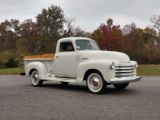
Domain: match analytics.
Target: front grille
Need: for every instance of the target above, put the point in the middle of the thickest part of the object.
(124, 71)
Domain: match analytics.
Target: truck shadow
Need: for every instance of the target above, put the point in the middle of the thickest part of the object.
(114, 91)
(69, 87)
(83, 88)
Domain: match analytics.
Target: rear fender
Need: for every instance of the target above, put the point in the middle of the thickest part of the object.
(39, 66)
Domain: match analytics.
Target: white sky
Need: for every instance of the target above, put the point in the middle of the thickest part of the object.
(89, 14)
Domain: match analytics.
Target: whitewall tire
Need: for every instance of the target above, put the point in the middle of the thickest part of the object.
(35, 78)
(95, 83)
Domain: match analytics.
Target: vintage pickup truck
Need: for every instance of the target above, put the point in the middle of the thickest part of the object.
(79, 59)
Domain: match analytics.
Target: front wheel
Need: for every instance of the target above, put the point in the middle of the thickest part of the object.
(95, 83)
(121, 86)
(35, 79)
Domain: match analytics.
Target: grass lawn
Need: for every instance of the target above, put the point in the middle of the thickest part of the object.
(143, 70)
(11, 71)
(149, 70)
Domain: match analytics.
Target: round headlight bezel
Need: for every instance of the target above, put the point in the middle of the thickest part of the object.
(112, 66)
(136, 65)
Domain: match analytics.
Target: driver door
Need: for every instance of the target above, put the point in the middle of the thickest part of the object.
(65, 60)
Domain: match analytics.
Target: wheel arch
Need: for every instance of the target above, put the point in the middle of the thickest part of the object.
(100, 66)
(30, 72)
(89, 71)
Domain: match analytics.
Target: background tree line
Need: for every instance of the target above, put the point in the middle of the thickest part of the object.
(142, 45)
(18, 39)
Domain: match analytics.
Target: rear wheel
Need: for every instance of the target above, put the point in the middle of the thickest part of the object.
(95, 83)
(121, 86)
(35, 79)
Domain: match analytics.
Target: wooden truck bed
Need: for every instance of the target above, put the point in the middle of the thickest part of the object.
(40, 57)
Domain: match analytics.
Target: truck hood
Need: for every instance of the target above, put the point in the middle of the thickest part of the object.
(117, 57)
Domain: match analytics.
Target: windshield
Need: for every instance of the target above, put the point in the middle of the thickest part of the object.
(87, 45)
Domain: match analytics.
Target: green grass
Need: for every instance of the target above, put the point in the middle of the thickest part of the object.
(144, 70)
(11, 71)
(149, 70)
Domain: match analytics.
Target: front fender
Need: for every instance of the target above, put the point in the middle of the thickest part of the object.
(39, 66)
(102, 66)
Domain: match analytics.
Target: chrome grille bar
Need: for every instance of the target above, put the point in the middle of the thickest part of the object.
(124, 71)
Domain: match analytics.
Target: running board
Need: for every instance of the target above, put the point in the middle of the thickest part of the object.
(62, 79)
(52, 77)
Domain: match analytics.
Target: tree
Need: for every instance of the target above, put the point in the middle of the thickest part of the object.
(156, 22)
(128, 28)
(50, 22)
(135, 43)
(72, 30)
(109, 36)
(109, 22)
(97, 36)
(28, 36)
(11, 63)
(77, 32)
(69, 23)
(8, 34)
(149, 35)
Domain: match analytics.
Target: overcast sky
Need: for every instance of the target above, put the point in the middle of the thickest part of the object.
(89, 14)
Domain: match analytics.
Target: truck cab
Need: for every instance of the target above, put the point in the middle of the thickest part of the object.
(79, 59)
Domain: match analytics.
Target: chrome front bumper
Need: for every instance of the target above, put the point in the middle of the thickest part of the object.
(125, 79)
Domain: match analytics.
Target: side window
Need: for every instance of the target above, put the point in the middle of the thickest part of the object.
(66, 47)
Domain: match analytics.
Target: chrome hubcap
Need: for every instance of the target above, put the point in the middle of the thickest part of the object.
(35, 78)
(94, 82)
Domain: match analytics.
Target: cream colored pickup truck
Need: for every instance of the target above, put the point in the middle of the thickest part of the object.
(79, 59)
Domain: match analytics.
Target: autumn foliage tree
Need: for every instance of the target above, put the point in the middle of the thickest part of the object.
(28, 39)
(28, 36)
(141, 45)
(108, 36)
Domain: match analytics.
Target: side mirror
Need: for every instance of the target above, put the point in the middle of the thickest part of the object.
(77, 48)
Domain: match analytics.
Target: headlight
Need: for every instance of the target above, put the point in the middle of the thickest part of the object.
(112, 65)
(136, 66)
